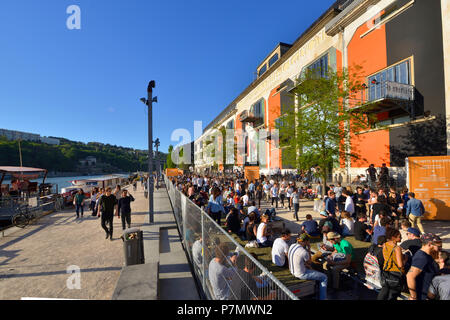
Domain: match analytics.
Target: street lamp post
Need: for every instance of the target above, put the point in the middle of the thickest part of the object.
(150, 99)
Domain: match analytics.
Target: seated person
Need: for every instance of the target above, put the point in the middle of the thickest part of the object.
(335, 224)
(324, 249)
(380, 230)
(374, 261)
(233, 222)
(347, 224)
(310, 227)
(262, 234)
(251, 227)
(300, 264)
(404, 226)
(361, 230)
(280, 249)
(336, 263)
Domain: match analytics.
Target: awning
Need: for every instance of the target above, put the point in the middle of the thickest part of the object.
(7, 169)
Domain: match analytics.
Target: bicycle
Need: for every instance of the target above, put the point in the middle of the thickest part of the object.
(59, 203)
(23, 216)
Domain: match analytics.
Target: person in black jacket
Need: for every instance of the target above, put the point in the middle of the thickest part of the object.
(124, 208)
(233, 223)
(106, 205)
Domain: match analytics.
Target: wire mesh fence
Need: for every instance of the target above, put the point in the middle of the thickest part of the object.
(224, 268)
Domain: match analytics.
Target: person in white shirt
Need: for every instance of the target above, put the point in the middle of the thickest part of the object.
(289, 192)
(299, 257)
(261, 233)
(347, 224)
(274, 191)
(280, 249)
(349, 205)
(266, 188)
(245, 200)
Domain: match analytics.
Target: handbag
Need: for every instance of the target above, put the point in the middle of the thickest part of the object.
(392, 279)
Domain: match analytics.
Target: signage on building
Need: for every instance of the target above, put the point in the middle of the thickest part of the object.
(429, 179)
(251, 173)
(395, 90)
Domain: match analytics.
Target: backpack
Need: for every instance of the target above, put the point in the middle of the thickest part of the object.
(372, 270)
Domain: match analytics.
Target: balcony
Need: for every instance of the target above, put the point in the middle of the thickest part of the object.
(247, 116)
(387, 96)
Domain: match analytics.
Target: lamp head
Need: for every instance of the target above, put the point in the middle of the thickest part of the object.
(144, 100)
(151, 85)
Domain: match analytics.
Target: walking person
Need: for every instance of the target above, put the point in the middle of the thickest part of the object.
(93, 201)
(78, 201)
(259, 194)
(274, 194)
(295, 202)
(124, 208)
(415, 211)
(106, 205)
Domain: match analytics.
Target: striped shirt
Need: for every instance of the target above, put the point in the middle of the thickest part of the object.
(297, 255)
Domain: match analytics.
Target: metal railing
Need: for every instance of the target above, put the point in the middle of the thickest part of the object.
(211, 251)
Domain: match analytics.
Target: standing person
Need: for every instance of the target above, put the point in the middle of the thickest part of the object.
(384, 176)
(295, 202)
(78, 201)
(393, 267)
(93, 201)
(107, 204)
(415, 211)
(372, 173)
(423, 267)
(349, 206)
(124, 208)
(360, 202)
(215, 205)
(274, 194)
(330, 204)
(251, 190)
(289, 192)
(299, 258)
(259, 194)
(282, 194)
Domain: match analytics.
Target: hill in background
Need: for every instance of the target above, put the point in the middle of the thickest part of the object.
(70, 156)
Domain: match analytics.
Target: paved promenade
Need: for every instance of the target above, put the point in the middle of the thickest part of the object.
(34, 260)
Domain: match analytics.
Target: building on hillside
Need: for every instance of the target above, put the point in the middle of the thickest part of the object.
(405, 68)
(26, 136)
(19, 135)
(48, 140)
(89, 161)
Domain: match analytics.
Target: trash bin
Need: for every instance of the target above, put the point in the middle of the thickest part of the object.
(133, 246)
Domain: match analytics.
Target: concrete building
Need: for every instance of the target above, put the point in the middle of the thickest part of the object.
(403, 49)
(26, 136)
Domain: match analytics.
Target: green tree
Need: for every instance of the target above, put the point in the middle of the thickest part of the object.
(314, 132)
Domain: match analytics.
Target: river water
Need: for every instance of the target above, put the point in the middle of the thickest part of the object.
(62, 182)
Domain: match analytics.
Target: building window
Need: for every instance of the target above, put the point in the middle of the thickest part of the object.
(273, 59)
(320, 67)
(230, 124)
(262, 70)
(257, 110)
(399, 73)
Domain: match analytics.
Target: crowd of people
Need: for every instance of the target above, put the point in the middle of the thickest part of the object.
(105, 203)
(384, 218)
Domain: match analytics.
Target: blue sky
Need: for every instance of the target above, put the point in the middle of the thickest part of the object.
(85, 84)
